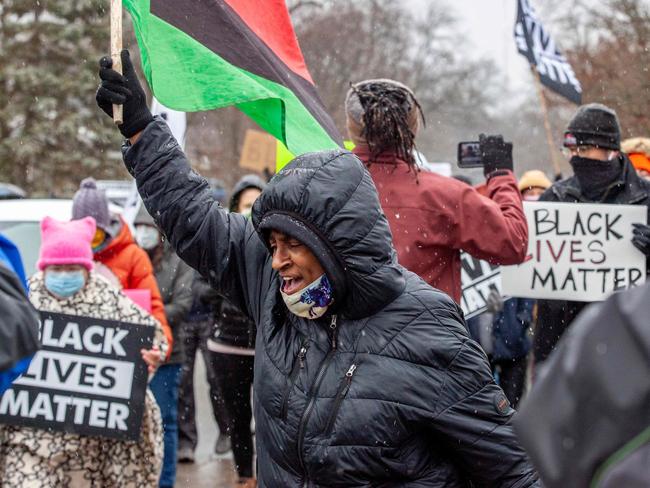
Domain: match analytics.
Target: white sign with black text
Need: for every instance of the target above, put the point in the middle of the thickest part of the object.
(580, 252)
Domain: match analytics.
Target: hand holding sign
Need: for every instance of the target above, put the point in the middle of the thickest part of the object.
(152, 357)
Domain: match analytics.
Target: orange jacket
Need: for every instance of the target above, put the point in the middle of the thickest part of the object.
(133, 268)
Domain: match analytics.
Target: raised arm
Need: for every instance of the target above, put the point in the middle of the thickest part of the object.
(223, 247)
(492, 227)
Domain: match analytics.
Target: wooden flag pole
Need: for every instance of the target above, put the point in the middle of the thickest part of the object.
(116, 49)
(547, 123)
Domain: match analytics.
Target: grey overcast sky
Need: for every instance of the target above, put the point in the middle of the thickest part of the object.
(488, 27)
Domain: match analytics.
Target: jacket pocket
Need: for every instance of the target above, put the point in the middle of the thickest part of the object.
(340, 395)
(298, 364)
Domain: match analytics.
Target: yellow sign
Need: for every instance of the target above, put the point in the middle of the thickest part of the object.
(258, 152)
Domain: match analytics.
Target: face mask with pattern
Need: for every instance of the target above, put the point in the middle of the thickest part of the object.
(312, 301)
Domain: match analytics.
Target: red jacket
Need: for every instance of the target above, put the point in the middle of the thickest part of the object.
(133, 268)
(434, 220)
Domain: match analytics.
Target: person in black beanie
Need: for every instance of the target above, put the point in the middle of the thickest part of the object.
(602, 174)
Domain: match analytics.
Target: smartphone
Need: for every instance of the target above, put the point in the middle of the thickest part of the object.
(469, 155)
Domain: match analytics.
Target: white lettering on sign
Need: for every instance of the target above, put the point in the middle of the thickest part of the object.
(581, 252)
(48, 407)
(478, 280)
(79, 374)
(94, 339)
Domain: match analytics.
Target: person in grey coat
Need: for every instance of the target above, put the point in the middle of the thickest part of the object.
(174, 279)
(364, 374)
(586, 422)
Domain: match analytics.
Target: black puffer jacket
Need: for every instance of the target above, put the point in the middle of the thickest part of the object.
(389, 391)
(555, 316)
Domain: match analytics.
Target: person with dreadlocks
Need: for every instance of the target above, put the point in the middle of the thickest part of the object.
(432, 217)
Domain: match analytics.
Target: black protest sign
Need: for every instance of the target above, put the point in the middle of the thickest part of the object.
(88, 378)
(535, 43)
(580, 252)
(478, 279)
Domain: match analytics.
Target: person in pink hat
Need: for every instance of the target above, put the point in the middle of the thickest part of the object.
(66, 283)
(66, 258)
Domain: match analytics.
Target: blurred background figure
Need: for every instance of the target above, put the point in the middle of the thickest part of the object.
(67, 284)
(586, 421)
(195, 331)
(19, 324)
(233, 348)
(638, 150)
(602, 174)
(114, 247)
(532, 184)
(174, 279)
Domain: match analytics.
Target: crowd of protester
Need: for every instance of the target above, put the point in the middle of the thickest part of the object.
(331, 292)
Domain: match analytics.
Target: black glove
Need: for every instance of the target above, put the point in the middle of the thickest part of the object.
(495, 153)
(641, 238)
(123, 90)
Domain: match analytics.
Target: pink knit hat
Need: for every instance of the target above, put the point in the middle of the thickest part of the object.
(66, 242)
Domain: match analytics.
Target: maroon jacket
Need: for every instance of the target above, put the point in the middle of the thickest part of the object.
(434, 220)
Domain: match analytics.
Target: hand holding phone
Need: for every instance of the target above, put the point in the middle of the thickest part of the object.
(469, 154)
(490, 152)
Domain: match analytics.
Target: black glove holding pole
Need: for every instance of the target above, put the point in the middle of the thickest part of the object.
(496, 155)
(123, 90)
(641, 238)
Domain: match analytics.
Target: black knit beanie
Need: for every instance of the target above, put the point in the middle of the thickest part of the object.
(594, 125)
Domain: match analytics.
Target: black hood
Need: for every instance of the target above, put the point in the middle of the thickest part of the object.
(247, 181)
(327, 200)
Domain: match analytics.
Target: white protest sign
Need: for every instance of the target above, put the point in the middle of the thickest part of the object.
(478, 278)
(580, 252)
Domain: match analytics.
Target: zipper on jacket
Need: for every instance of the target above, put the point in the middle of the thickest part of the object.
(298, 364)
(340, 395)
(312, 396)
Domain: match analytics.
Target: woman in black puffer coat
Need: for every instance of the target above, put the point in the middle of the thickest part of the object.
(385, 387)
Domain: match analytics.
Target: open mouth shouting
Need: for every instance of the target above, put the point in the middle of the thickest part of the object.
(292, 284)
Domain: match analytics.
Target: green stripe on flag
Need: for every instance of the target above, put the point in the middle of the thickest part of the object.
(185, 75)
(283, 156)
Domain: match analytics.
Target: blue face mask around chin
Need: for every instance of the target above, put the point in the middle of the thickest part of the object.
(64, 283)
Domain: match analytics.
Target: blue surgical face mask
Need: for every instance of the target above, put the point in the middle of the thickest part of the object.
(147, 237)
(64, 283)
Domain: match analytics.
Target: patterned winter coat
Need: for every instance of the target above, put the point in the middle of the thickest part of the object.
(39, 458)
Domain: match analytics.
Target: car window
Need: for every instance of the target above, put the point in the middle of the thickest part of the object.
(27, 237)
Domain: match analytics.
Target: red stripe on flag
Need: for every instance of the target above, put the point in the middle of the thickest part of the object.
(270, 20)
